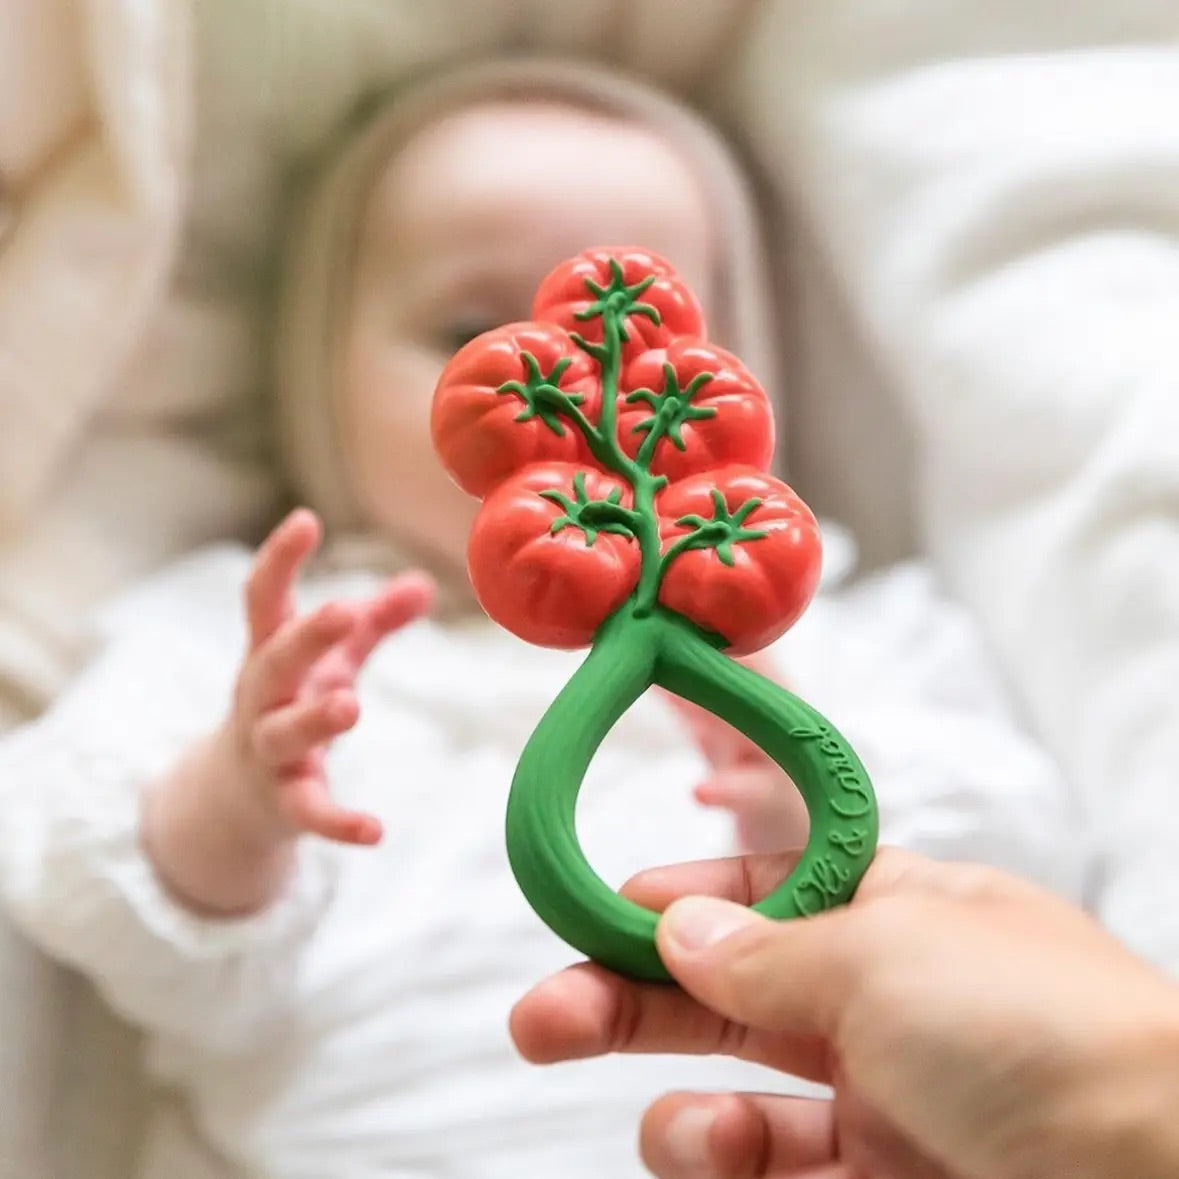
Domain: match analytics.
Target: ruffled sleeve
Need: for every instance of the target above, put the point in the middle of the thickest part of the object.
(74, 875)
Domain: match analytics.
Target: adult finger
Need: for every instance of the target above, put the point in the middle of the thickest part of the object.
(269, 593)
(747, 879)
(798, 977)
(795, 977)
(587, 1011)
(740, 1136)
(742, 879)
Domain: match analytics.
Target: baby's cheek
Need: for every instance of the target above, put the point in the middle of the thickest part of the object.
(392, 384)
(385, 410)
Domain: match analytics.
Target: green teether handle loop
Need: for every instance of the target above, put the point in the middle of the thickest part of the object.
(628, 656)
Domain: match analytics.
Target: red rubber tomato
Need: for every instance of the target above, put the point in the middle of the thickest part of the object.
(739, 427)
(550, 588)
(476, 430)
(771, 580)
(564, 293)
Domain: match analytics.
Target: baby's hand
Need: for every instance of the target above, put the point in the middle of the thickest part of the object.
(296, 691)
(221, 826)
(767, 808)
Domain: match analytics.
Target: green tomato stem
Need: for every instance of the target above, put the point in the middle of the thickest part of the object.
(606, 448)
(643, 483)
(681, 546)
(654, 435)
(588, 429)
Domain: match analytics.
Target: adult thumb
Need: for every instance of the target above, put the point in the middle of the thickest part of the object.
(788, 976)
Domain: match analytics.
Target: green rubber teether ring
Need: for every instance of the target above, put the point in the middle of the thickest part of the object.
(629, 655)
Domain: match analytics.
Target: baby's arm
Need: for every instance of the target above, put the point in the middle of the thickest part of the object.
(172, 945)
(222, 826)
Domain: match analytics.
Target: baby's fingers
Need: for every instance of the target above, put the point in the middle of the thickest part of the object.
(770, 812)
(269, 590)
(720, 744)
(272, 676)
(742, 789)
(404, 599)
(310, 808)
(287, 735)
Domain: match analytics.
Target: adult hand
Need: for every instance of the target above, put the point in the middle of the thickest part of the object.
(971, 1026)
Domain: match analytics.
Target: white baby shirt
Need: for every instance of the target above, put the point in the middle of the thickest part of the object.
(359, 1028)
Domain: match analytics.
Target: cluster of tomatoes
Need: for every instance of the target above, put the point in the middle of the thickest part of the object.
(557, 548)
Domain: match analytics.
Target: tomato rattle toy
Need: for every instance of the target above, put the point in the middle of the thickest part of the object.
(622, 460)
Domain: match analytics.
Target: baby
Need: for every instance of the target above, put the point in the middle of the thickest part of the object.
(182, 825)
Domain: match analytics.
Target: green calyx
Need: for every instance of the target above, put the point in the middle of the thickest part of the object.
(671, 409)
(616, 300)
(542, 395)
(592, 516)
(720, 531)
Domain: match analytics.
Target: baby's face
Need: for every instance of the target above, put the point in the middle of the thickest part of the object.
(461, 227)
